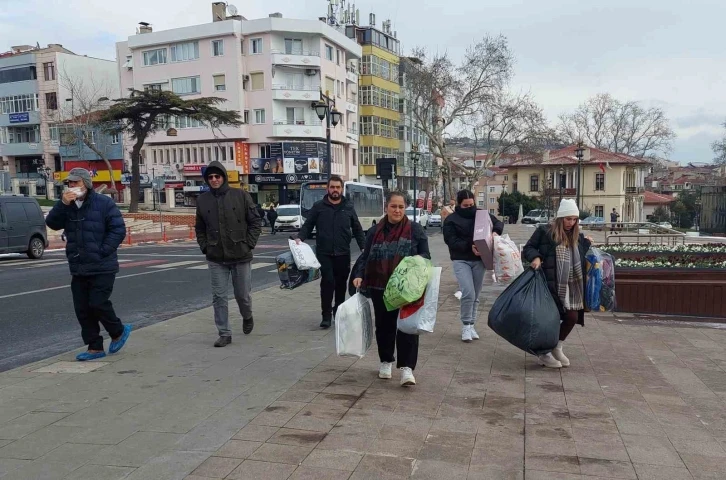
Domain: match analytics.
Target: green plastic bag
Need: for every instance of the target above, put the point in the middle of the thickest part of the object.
(408, 282)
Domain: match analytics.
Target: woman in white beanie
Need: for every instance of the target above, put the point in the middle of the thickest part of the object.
(559, 249)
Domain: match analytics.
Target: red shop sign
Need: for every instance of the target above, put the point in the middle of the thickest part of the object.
(193, 168)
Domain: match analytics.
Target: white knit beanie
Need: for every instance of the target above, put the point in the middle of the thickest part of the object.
(568, 208)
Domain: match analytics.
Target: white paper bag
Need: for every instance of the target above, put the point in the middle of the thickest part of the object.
(507, 259)
(353, 327)
(303, 255)
(420, 317)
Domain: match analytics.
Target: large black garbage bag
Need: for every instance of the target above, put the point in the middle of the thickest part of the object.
(526, 315)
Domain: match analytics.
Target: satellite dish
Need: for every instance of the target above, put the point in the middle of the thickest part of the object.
(231, 10)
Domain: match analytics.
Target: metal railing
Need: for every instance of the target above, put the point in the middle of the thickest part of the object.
(634, 190)
(303, 53)
(353, 131)
(301, 88)
(314, 123)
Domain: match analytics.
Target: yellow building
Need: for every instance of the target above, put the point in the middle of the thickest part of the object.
(378, 97)
(609, 181)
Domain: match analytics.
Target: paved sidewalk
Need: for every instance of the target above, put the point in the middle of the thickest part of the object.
(640, 401)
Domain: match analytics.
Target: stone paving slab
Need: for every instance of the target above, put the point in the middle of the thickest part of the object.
(642, 400)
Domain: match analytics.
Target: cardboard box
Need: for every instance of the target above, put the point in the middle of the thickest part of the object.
(483, 238)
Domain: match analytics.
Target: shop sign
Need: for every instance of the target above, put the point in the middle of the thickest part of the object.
(194, 168)
(282, 178)
(126, 179)
(23, 117)
(242, 156)
(178, 199)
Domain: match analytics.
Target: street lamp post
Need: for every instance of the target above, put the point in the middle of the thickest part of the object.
(414, 157)
(562, 172)
(325, 109)
(579, 153)
(504, 190)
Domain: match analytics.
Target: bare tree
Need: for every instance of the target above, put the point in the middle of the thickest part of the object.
(507, 124)
(621, 127)
(443, 94)
(81, 118)
(719, 149)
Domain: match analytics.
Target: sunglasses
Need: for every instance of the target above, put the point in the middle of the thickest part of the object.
(214, 176)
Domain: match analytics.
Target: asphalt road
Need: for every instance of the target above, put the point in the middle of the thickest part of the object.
(155, 283)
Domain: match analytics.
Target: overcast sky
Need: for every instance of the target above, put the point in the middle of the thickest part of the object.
(667, 53)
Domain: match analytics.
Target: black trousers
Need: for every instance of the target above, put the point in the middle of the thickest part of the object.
(568, 323)
(91, 296)
(334, 271)
(272, 226)
(389, 338)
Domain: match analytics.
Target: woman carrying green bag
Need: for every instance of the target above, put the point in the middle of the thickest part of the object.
(394, 238)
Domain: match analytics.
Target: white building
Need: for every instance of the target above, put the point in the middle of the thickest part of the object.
(271, 70)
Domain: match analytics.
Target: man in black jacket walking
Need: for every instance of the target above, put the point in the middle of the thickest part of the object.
(228, 227)
(336, 223)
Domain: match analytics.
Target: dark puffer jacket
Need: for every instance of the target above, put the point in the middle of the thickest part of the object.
(543, 246)
(227, 225)
(336, 225)
(93, 233)
(459, 233)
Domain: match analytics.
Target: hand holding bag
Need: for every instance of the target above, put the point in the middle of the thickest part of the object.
(353, 327)
(420, 317)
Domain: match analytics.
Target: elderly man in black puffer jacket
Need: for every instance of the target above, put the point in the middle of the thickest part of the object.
(94, 229)
(228, 227)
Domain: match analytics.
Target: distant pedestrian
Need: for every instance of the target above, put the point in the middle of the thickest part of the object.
(468, 266)
(394, 238)
(228, 227)
(559, 249)
(94, 229)
(272, 218)
(261, 212)
(337, 224)
(614, 215)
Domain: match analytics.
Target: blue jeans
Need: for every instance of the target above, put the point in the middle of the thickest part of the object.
(241, 274)
(470, 276)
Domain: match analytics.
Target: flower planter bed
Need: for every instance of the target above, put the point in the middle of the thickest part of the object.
(671, 291)
(655, 249)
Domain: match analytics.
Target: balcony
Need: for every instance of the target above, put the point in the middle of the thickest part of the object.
(18, 149)
(352, 135)
(299, 128)
(304, 59)
(351, 75)
(555, 192)
(352, 104)
(296, 92)
(634, 190)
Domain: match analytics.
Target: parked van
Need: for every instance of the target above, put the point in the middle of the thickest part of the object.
(22, 226)
(289, 217)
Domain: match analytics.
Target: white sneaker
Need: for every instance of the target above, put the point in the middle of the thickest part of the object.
(474, 335)
(558, 355)
(466, 333)
(407, 378)
(385, 370)
(549, 361)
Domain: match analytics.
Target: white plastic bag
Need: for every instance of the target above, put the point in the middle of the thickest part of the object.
(353, 327)
(420, 317)
(507, 259)
(303, 255)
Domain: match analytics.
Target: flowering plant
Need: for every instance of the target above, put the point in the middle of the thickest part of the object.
(673, 261)
(655, 248)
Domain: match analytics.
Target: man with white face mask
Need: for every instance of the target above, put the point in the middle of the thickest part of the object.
(94, 229)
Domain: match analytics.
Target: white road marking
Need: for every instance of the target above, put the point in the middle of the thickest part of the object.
(177, 264)
(204, 266)
(255, 266)
(68, 286)
(25, 262)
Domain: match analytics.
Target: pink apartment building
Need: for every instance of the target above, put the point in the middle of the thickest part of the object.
(271, 70)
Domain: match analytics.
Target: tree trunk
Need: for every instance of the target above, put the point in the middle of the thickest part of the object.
(135, 186)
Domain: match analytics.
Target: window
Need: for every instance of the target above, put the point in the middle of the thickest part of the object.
(329, 52)
(492, 200)
(256, 46)
(492, 211)
(153, 87)
(219, 85)
(184, 52)
(599, 183)
(242, 47)
(153, 156)
(51, 101)
(201, 155)
(114, 138)
(534, 183)
(185, 86)
(257, 81)
(259, 116)
(295, 116)
(53, 130)
(20, 74)
(337, 56)
(293, 46)
(295, 81)
(49, 71)
(246, 116)
(20, 134)
(231, 154)
(491, 189)
(188, 155)
(329, 86)
(599, 211)
(265, 151)
(217, 48)
(155, 57)
(19, 103)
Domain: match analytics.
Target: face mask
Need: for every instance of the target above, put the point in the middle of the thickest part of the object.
(77, 190)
